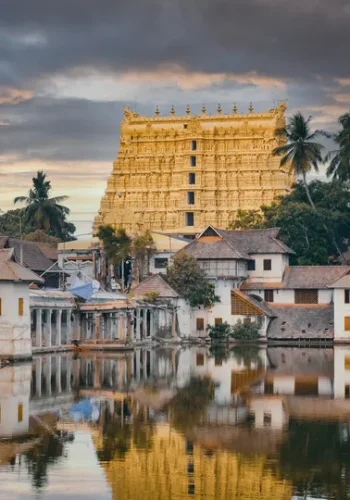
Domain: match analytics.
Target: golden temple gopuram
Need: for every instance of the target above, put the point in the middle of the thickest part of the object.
(178, 174)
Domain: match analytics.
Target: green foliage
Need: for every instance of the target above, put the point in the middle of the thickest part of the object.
(151, 296)
(13, 221)
(315, 236)
(41, 237)
(247, 219)
(186, 277)
(219, 332)
(116, 243)
(299, 150)
(44, 213)
(339, 166)
(245, 331)
(142, 248)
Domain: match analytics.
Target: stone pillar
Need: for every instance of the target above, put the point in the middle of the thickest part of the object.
(69, 327)
(59, 327)
(48, 333)
(129, 325)
(138, 325)
(39, 327)
(151, 324)
(110, 326)
(69, 372)
(97, 324)
(47, 372)
(144, 324)
(58, 374)
(76, 326)
(38, 373)
(138, 364)
(115, 327)
(144, 364)
(122, 321)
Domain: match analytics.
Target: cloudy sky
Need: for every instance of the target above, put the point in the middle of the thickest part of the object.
(68, 67)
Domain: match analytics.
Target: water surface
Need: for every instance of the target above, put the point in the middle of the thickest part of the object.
(245, 423)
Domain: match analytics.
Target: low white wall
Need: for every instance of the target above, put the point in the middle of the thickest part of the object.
(341, 310)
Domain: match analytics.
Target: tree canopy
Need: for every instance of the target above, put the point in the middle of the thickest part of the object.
(313, 237)
(44, 213)
(188, 279)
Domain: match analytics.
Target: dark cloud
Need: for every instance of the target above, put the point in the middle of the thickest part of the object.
(298, 39)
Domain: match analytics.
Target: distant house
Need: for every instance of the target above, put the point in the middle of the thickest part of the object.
(252, 277)
(39, 257)
(15, 331)
(166, 246)
(178, 310)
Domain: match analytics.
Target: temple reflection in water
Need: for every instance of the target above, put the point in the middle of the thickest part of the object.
(172, 423)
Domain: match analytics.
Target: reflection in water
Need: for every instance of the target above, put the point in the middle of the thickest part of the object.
(252, 423)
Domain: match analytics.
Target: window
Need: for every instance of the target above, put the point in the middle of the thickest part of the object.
(347, 323)
(268, 295)
(251, 265)
(192, 178)
(218, 321)
(347, 391)
(189, 219)
(160, 263)
(193, 160)
(200, 324)
(20, 307)
(190, 197)
(194, 145)
(247, 321)
(20, 412)
(267, 265)
(268, 387)
(306, 296)
(199, 359)
(347, 363)
(185, 126)
(267, 419)
(0, 307)
(347, 296)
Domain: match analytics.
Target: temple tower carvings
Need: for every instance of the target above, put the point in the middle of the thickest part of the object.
(177, 174)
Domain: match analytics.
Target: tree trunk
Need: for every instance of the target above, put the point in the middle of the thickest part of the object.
(308, 192)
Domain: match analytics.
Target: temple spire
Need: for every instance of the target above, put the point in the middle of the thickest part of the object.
(188, 110)
(219, 109)
(251, 109)
(172, 112)
(204, 110)
(234, 109)
(157, 111)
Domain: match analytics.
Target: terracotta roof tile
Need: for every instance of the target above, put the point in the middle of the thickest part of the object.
(11, 271)
(155, 283)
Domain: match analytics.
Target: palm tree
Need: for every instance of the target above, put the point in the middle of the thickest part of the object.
(301, 151)
(42, 212)
(339, 166)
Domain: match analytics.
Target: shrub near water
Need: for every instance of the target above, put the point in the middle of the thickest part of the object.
(240, 331)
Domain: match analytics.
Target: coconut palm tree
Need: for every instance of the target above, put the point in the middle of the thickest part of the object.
(339, 166)
(300, 151)
(42, 212)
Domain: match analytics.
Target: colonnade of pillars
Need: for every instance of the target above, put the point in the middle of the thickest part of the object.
(51, 327)
(58, 327)
(61, 373)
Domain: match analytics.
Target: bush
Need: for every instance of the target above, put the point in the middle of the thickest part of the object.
(245, 331)
(219, 332)
(151, 296)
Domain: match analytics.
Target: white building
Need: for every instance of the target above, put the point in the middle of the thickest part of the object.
(14, 400)
(15, 331)
(166, 247)
(253, 279)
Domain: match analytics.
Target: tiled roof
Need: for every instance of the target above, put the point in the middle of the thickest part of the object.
(236, 244)
(155, 283)
(11, 271)
(343, 282)
(255, 241)
(33, 255)
(50, 251)
(220, 249)
(302, 277)
(301, 322)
